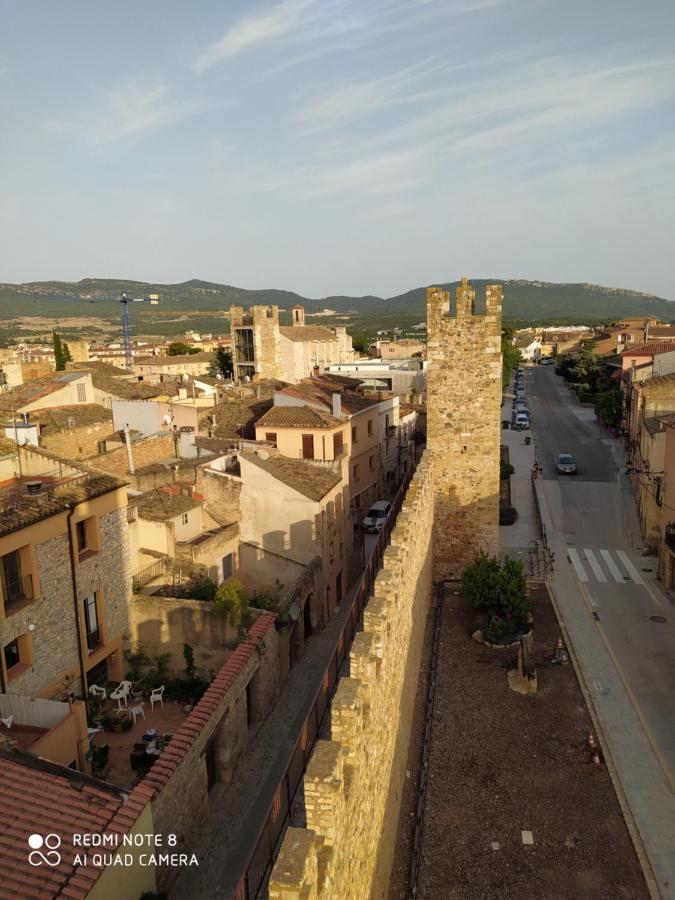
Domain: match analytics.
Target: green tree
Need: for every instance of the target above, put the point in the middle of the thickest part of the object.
(61, 352)
(232, 599)
(511, 356)
(500, 591)
(178, 348)
(222, 364)
(360, 343)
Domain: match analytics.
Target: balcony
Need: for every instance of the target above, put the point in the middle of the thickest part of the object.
(18, 592)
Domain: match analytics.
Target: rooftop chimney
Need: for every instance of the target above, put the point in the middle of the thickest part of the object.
(316, 370)
(337, 404)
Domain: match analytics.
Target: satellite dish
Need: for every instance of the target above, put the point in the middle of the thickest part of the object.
(167, 419)
(185, 377)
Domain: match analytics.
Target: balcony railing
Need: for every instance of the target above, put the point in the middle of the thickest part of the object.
(17, 592)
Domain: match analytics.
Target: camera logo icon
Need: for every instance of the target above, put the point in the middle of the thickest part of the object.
(50, 856)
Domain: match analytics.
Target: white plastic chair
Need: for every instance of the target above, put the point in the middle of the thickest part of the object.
(7, 722)
(137, 711)
(121, 693)
(157, 696)
(99, 692)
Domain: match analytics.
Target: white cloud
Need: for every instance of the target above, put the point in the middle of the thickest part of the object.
(130, 111)
(273, 22)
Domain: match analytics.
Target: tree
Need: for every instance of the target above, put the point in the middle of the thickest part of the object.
(222, 364)
(501, 592)
(178, 348)
(61, 352)
(511, 356)
(360, 343)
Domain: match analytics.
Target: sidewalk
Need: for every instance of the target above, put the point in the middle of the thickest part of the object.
(642, 787)
(515, 539)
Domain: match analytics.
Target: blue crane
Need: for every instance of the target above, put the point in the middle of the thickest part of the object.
(125, 300)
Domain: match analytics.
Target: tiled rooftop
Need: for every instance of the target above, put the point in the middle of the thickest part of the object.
(19, 509)
(13, 400)
(314, 391)
(297, 416)
(158, 505)
(59, 418)
(306, 333)
(650, 349)
(312, 481)
(202, 356)
(235, 417)
(125, 389)
(37, 797)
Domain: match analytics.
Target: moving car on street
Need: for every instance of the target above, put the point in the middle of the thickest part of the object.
(566, 464)
(374, 520)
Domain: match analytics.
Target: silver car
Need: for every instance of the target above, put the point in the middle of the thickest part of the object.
(566, 464)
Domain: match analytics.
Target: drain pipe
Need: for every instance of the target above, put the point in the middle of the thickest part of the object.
(76, 603)
(416, 855)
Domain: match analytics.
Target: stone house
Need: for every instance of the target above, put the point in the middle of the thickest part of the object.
(174, 527)
(402, 349)
(72, 432)
(666, 505)
(262, 348)
(64, 576)
(153, 368)
(55, 390)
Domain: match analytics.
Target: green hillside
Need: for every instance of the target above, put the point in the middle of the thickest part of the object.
(200, 304)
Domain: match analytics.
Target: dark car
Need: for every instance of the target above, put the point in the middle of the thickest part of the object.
(566, 464)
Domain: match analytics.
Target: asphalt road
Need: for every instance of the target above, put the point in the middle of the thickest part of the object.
(595, 518)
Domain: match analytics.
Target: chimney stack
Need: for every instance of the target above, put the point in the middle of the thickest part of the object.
(337, 404)
(316, 370)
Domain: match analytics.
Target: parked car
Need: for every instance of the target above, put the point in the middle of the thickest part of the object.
(522, 421)
(521, 408)
(376, 516)
(546, 361)
(566, 464)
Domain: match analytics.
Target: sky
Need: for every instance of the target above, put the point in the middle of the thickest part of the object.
(338, 146)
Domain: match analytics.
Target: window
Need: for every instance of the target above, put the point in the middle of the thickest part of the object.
(308, 446)
(91, 622)
(370, 426)
(228, 566)
(356, 470)
(338, 444)
(81, 535)
(271, 437)
(81, 393)
(12, 654)
(357, 502)
(186, 518)
(354, 437)
(16, 587)
(371, 463)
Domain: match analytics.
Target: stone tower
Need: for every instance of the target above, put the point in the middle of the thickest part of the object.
(464, 392)
(255, 342)
(298, 315)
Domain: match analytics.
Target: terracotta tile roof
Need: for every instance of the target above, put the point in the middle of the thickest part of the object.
(158, 505)
(297, 417)
(18, 509)
(332, 378)
(307, 333)
(60, 418)
(124, 389)
(650, 349)
(314, 392)
(97, 365)
(312, 481)
(235, 418)
(32, 391)
(662, 331)
(37, 797)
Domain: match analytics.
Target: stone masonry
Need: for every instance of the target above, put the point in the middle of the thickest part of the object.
(463, 403)
(353, 782)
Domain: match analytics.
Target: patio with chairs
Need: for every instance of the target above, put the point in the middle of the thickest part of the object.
(132, 750)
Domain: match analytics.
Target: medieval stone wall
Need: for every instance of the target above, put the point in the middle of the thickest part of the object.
(353, 783)
(464, 392)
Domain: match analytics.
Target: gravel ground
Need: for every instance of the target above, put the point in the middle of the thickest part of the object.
(501, 763)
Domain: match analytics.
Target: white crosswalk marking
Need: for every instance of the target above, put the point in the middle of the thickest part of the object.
(630, 568)
(595, 565)
(576, 562)
(612, 566)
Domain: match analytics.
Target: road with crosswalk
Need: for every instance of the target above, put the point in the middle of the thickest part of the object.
(594, 517)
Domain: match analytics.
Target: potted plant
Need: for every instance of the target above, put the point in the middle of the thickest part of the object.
(127, 724)
(116, 723)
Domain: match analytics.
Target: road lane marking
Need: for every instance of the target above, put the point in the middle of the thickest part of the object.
(630, 568)
(576, 562)
(595, 565)
(612, 566)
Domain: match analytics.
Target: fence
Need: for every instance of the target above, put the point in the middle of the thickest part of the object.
(147, 574)
(264, 853)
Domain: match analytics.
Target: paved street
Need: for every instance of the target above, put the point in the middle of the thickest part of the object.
(613, 608)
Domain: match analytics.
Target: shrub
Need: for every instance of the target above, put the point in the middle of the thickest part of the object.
(232, 599)
(501, 591)
(199, 587)
(186, 690)
(505, 470)
(481, 582)
(507, 514)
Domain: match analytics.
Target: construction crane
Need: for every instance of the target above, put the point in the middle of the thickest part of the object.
(125, 300)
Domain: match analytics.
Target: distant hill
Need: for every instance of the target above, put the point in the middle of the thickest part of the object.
(524, 301)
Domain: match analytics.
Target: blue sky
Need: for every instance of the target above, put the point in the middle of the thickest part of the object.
(339, 146)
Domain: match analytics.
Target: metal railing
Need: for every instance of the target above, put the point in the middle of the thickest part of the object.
(147, 574)
(17, 592)
(267, 844)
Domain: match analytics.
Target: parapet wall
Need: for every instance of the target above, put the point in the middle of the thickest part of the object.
(353, 783)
